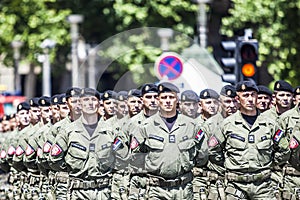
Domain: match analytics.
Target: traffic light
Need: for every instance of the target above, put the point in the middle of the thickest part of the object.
(247, 55)
(229, 62)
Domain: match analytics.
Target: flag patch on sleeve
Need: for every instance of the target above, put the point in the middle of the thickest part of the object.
(47, 147)
(29, 150)
(11, 150)
(3, 154)
(117, 144)
(213, 141)
(199, 135)
(134, 143)
(278, 135)
(56, 150)
(19, 151)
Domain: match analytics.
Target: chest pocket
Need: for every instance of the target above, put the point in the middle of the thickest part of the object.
(155, 142)
(265, 149)
(104, 152)
(77, 155)
(236, 141)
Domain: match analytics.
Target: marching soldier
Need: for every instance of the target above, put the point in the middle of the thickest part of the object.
(122, 108)
(109, 105)
(88, 149)
(264, 98)
(171, 144)
(249, 144)
(216, 172)
(209, 101)
(296, 96)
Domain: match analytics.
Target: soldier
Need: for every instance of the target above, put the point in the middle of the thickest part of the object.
(283, 96)
(63, 107)
(249, 144)
(60, 179)
(171, 144)
(189, 103)
(122, 108)
(296, 96)
(209, 101)
(264, 98)
(88, 149)
(109, 105)
(150, 107)
(13, 150)
(216, 172)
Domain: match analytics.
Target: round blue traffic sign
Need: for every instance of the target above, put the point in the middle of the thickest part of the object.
(170, 66)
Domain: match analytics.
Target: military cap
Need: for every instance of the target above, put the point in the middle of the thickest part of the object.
(264, 90)
(282, 85)
(23, 106)
(34, 102)
(209, 94)
(228, 91)
(243, 86)
(12, 116)
(89, 92)
(109, 94)
(297, 90)
(44, 101)
(148, 88)
(167, 87)
(62, 99)
(73, 92)
(135, 93)
(189, 95)
(122, 95)
(6, 118)
(54, 99)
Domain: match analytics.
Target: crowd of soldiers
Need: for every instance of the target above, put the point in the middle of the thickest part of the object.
(154, 143)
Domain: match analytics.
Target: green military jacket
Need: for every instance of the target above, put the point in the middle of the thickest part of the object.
(4, 143)
(85, 156)
(169, 153)
(295, 147)
(288, 119)
(43, 147)
(29, 159)
(249, 149)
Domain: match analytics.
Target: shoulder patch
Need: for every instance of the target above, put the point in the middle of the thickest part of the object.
(3, 154)
(19, 151)
(213, 141)
(11, 150)
(117, 144)
(294, 143)
(199, 135)
(39, 152)
(29, 150)
(56, 150)
(278, 135)
(47, 147)
(134, 143)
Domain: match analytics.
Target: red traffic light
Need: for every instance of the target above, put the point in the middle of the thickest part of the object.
(248, 70)
(248, 52)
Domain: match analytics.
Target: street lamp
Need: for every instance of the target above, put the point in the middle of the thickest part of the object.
(46, 45)
(164, 34)
(16, 45)
(202, 21)
(74, 20)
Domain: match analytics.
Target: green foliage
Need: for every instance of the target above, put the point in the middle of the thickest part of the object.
(275, 25)
(31, 22)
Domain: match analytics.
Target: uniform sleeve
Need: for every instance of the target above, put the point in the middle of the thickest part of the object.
(216, 146)
(58, 150)
(295, 147)
(201, 140)
(281, 146)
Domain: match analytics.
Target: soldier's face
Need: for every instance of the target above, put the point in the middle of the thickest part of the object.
(150, 101)
(6, 126)
(263, 102)
(297, 99)
(74, 105)
(90, 105)
(35, 114)
(168, 101)
(210, 106)
(189, 108)
(247, 100)
(134, 105)
(63, 110)
(110, 106)
(229, 105)
(122, 108)
(283, 99)
(46, 113)
(55, 112)
(23, 117)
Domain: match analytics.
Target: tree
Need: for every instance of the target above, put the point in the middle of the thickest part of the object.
(275, 26)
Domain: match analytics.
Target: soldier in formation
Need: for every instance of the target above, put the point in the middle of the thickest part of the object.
(140, 144)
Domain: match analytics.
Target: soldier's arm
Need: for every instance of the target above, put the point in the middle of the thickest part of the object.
(295, 147)
(281, 146)
(216, 146)
(201, 138)
(59, 149)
